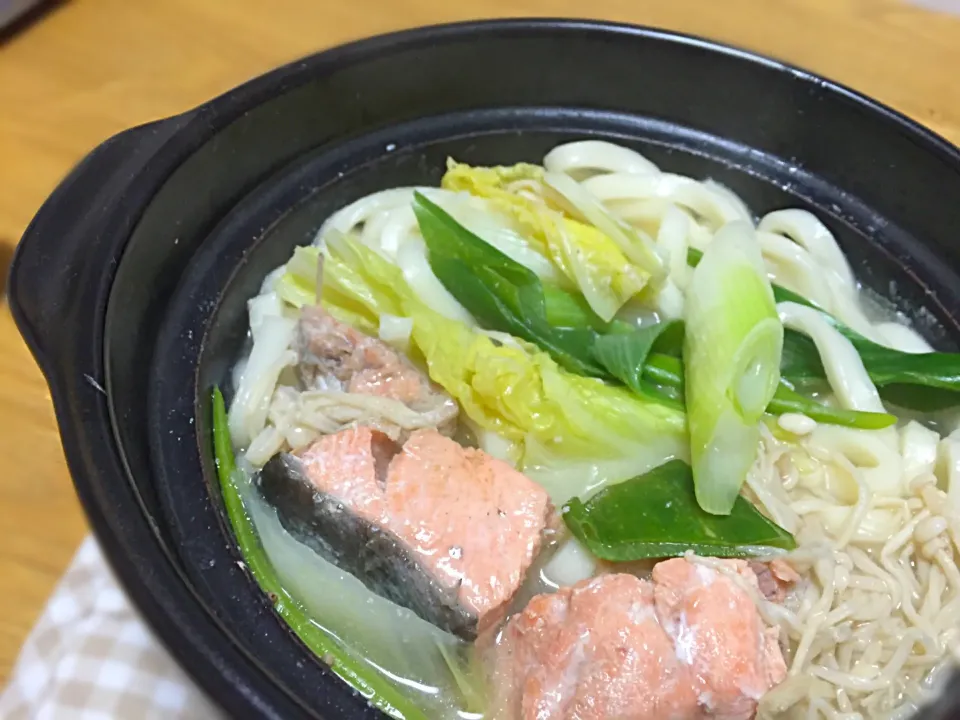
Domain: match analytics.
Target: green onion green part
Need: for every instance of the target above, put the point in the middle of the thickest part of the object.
(667, 371)
(624, 355)
(499, 292)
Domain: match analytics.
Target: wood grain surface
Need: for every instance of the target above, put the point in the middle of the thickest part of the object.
(91, 68)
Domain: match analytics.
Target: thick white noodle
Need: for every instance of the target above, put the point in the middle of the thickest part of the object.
(793, 267)
(846, 307)
(397, 226)
(902, 338)
(672, 238)
(598, 156)
(918, 448)
(269, 356)
(360, 211)
(948, 467)
(873, 455)
(703, 200)
(806, 230)
(807, 257)
(731, 197)
(845, 372)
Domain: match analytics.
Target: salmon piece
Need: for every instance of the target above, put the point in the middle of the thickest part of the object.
(719, 634)
(335, 357)
(331, 350)
(591, 652)
(446, 531)
(688, 645)
(399, 383)
(775, 578)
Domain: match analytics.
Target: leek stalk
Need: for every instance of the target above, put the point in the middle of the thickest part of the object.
(731, 359)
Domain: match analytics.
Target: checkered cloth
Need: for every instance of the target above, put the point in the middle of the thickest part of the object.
(91, 657)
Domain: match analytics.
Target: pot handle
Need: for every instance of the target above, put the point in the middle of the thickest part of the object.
(59, 245)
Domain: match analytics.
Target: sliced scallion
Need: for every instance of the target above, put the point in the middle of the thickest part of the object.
(731, 359)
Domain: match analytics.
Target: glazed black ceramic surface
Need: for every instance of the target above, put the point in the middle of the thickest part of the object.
(130, 284)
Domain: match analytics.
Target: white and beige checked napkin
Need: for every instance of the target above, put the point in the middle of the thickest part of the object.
(91, 657)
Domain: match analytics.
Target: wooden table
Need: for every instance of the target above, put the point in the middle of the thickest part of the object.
(94, 67)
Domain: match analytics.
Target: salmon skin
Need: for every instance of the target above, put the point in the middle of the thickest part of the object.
(376, 556)
(446, 531)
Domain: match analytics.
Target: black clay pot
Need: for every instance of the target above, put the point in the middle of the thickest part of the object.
(130, 284)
